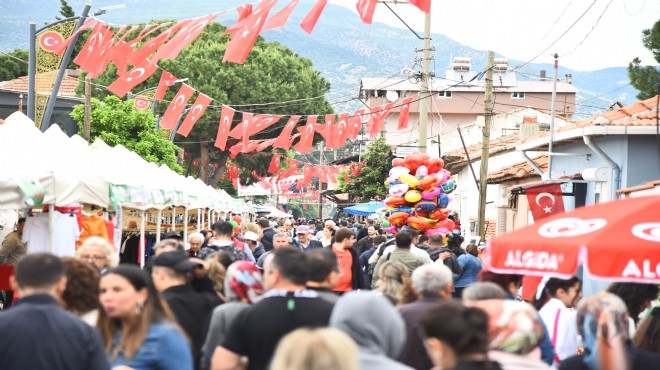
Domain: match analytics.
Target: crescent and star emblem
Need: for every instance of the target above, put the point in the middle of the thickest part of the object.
(193, 114)
(131, 77)
(547, 209)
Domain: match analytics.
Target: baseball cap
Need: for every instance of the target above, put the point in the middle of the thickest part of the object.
(251, 235)
(302, 229)
(176, 260)
(173, 235)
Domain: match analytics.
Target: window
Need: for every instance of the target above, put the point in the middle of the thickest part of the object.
(444, 94)
(518, 95)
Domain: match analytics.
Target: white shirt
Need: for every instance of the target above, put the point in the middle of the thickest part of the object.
(65, 228)
(565, 337)
(416, 251)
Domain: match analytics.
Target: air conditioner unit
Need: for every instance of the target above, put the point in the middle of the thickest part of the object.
(503, 199)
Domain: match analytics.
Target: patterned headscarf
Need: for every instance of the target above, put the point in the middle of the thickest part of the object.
(243, 282)
(514, 327)
(602, 321)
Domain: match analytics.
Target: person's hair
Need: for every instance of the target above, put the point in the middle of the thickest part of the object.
(172, 273)
(429, 280)
(322, 262)
(264, 223)
(403, 240)
(197, 236)
(482, 291)
(503, 280)
(316, 349)
(111, 257)
(170, 243)
(413, 234)
(81, 294)
(635, 295)
(292, 264)
(20, 221)
(397, 286)
(251, 226)
(224, 257)
(223, 228)
(343, 234)
(217, 272)
(369, 222)
(379, 239)
(464, 329)
(551, 288)
(39, 271)
(423, 239)
(437, 239)
(154, 311)
(472, 249)
(647, 335)
(280, 235)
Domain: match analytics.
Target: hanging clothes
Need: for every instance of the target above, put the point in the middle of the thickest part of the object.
(65, 230)
(92, 226)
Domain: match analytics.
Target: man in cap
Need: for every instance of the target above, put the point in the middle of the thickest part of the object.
(303, 241)
(252, 241)
(173, 235)
(191, 309)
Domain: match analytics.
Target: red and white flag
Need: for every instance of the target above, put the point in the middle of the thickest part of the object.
(242, 129)
(423, 5)
(312, 17)
(355, 124)
(265, 144)
(120, 51)
(226, 117)
(404, 112)
(166, 80)
(256, 124)
(196, 111)
(304, 145)
(97, 65)
(274, 164)
(244, 33)
(327, 130)
(284, 140)
(243, 147)
(307, 174)
(366, 9)
(132, 78)
(342, 130)
(377, 120)
(137, 56)
(186, 34)
(59, 50)
(97, 38)
(244, 11)
(176, 108)
(280, 18)
(141, 102)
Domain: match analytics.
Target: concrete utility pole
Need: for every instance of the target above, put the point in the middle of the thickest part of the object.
(88, 108)
(320, 184)
(424, 91)
(485, 144)
(552, 117)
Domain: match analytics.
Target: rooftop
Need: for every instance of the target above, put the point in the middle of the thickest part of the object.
(457, 158)
(67, 88)
(440, 84)
(518, 171)
(648, 185)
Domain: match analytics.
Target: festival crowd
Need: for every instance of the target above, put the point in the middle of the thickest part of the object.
(310, 295)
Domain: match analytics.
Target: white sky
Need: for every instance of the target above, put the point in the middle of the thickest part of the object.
(522, 29)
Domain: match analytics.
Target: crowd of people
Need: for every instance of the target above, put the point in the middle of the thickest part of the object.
(309, 295)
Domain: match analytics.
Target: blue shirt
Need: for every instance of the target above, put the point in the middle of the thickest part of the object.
(471, 267)
(164, 348)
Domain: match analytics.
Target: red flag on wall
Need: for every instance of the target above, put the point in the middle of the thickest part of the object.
(366, 10)
(312, 17)
(166, 80)
(280, 18)
(403, 113)
(423, 5)
(196, 111)
(304, 145)
(132, 78)
(274, 164)
(226, 117)
(284, 140)
(245, 33)
(355, 124)
(176, 107)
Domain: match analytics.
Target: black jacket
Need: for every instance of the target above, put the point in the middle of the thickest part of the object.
(267, 239)
(358, 274)
(312, 245)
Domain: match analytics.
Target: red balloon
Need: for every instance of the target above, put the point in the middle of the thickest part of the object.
(446, 223)
(435, 165)
(396, 162)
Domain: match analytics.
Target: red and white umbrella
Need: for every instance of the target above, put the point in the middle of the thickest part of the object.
(618, 240)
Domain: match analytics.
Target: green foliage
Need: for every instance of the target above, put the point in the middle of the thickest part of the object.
(370, 184)
(272, 73)
(118, 122)
(12, 65)
(298, 211)
(66, 11)
(646, 79)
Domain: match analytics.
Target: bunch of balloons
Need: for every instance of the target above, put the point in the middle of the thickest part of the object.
(419, 189)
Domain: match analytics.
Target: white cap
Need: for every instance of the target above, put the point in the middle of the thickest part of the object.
(250, 235)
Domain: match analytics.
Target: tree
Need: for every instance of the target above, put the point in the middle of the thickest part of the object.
(646, 79)
(272, 73)
(118, 122)
(370, 184)
(66, 11)
(13, 65)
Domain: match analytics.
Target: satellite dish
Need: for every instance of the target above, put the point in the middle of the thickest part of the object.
(392, 96)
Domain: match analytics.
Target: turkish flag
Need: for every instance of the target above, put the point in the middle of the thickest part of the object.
(274, 164)
(59, 50)
(127, 81)
(327, 130)
(255, 125)
(187, 34)
(243, 147)
(242, 129)
(377, 120)
(307, 174)
(292, 168)
(98, 60)
(119, 51)
(265, 144)
(137, 56)
(312, 17)
(176, 107)
(280, 18)
(355, 124)
(366, 10)
(244, 33)
(96, 39)
(304, 145)
(284, 140)
(197, 110)
(166, 80)
(423, 5)
(226, 117)
(403, 113)
(122, 50)
(342, 130)
(244, 11)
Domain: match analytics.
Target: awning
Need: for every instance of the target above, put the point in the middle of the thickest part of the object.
(363, 209)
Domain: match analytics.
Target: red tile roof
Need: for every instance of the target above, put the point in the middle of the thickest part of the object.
(648, 185)
(457, 158)
(520, 170)
(491, 229)
(67, 88)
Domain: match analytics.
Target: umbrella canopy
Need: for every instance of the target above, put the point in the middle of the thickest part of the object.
(618, 240)
(363, 209)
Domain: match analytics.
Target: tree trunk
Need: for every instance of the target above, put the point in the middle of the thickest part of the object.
(204, 162)
(222, 168)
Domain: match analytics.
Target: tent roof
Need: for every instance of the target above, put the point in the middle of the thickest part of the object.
(364, 209)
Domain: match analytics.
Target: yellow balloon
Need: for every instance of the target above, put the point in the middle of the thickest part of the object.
(409, 179)
(413, 196)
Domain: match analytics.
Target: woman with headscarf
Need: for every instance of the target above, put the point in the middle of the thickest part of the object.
(243, 286)
(647, 336)
(602, 321)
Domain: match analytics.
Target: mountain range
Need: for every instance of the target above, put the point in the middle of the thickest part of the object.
(341, 46)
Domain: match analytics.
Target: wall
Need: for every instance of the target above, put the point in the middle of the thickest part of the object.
(643, 164)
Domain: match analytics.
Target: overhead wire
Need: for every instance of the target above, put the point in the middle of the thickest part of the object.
(557, 20)
(590, 31)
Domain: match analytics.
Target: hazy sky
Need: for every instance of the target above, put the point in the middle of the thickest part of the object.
(523, 29)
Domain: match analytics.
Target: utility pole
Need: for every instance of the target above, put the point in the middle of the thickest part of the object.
(424, 91)
(320, 183)
(485, 144)
(88, 108)
(552, 117)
